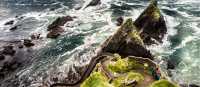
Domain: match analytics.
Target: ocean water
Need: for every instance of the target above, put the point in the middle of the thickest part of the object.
(91, 27)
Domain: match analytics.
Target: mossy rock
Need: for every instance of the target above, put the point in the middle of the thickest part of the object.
(127, 41)
(163, 83)
(152, 24)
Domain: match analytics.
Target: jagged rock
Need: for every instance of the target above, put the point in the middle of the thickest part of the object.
(120, 21)
(59, 22)
(151, 24)
(8, 50)
(55, 28)
(127, 42)
(28, 43)
(94, 3)
(9, 22)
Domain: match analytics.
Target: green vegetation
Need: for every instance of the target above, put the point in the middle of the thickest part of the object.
(163, 83)
(153, 11)
(96, 79)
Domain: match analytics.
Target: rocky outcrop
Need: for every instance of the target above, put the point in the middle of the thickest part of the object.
(127, 42)
(151, 24)
(55, 29)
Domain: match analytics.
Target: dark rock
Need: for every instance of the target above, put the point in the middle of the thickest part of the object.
(151, 24)
(193, 85)
(94, 3)
(9, 22)
(13, 28)
(2, 57)
(170, 65)
(28, 43)
(127, 42)
(20, 46)
(8, 50)
(35, 36)
(189, 85)
(55, 33)
(59, 22)
(120, 20)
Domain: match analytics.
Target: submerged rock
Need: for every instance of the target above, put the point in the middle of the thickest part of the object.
(13, 28)
(151, 24)
(2, 57)
(8, 50)
(127, 42)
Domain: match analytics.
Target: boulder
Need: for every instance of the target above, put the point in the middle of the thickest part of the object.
(28, 43)
(127, 42)
(151, 24)
(8, 50)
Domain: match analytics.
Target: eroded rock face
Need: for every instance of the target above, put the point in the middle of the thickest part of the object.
(126, 41)
(152, 25)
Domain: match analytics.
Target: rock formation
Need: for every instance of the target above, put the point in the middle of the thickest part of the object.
(55, 29)
(151, 24)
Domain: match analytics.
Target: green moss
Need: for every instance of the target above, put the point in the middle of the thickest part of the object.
(118, 66)
(163, 83)
(128, 24)
(136, 37)
(96, 79)
(153, 10)
(123, 81)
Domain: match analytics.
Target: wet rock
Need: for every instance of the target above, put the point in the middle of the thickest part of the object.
(35, 36)
(170, 65)
(8, 50)
(94, 3)
(151, 24)
(55, 28)
(13, 28)
(28, 43)
(2, 57)
(127, 42)
(61, 21)
(55, 33)
(9, 22)
(120, 20)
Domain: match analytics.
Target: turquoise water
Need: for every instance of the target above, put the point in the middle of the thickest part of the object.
(91, 28)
